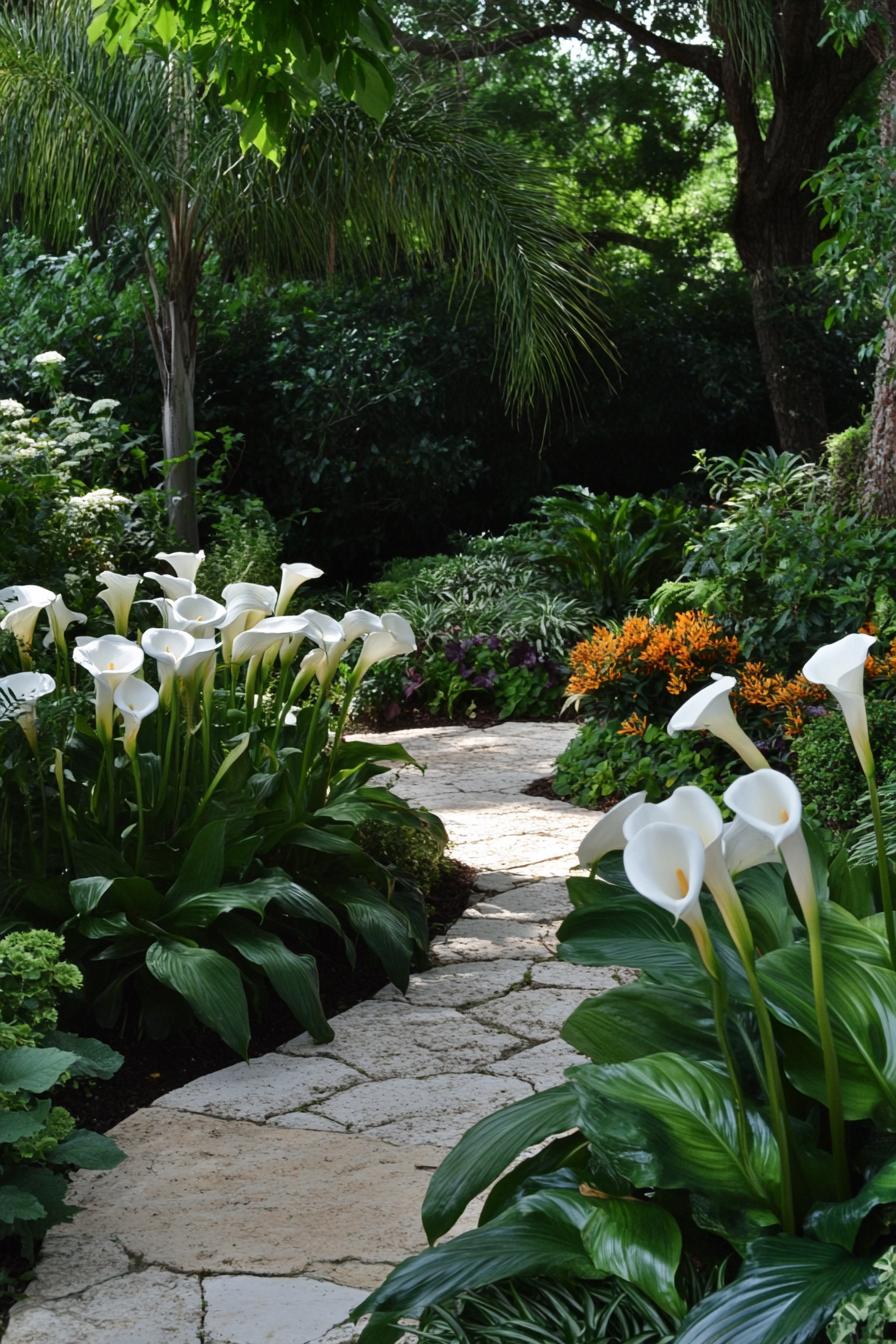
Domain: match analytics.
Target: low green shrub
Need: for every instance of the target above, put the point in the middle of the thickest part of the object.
(39, 1142)
(844, 458)
(417, 857)
(603, 762)
(826, 769)
(244, 543)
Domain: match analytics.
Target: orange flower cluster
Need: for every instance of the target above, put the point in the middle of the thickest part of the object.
(884, 666)
(683, 652)
(634, 726)
(773, 692)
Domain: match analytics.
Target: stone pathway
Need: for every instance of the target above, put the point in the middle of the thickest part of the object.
(259, 1204)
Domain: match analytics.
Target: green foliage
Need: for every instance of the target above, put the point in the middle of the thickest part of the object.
(269, 59)
(867, 1317)
(610, 550)
(844, 459)
(39, 1143)
(244, 543)
(827, 771)
(415, 856)
(602, 763)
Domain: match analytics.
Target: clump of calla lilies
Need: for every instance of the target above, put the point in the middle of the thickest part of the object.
(188, 681)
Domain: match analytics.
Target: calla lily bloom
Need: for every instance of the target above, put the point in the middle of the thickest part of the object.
(247, 604)
(665, 863)
(25, 688)
(608, 832)
(196, 614)
(24, 603)
(168, 648)
(394, 640)
(171, 585)
(109, 660)
(840, 667)
(744, 847)
(691, 807)
(291, 578)
(710, 711)
(354, 625)
(770, 803)
(272, 632)
(60, 619)
(118, 596)
(135, 700)
(184, 563)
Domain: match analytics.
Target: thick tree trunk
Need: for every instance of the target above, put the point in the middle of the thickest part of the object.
(878, 484)
(178, 434)
(795, 389)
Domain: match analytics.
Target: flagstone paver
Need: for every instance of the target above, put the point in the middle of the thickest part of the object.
(259, 1204)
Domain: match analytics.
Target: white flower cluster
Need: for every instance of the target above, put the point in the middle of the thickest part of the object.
(48, 358)
(10, 407)
(105, 406)
(100, 500)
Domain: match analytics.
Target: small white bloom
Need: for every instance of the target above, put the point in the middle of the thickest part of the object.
(840, 667)
(292, 577)
(48, 357)
(104, 406)
(134, 699)
(76, 438)
(10, 407)
(394, 640)
(709, 710)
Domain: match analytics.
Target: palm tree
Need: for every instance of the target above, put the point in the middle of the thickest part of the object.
(134, 143)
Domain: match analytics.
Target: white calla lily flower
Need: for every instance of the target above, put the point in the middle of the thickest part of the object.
(196, 614)
(770, 802)
(744, 847)
(60, 619)
(118, 595)
(135, 700)
(24, 603)
(394, 641)
(665, 863)
(171, 585)
(247, 604)
(709, 710)
(840, 667)
(691, 807)
(354, 625)
(292, 577)
(19, 693)
(109, 660)
(608, 832)
(168, 648)
(273, 632)
(184, 563)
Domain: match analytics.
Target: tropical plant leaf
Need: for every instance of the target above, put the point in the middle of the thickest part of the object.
(642, 1019)
(202, 867)
(15, 1125)
(385, 930)
(294, 977)
(93, 1059)
(18, 1205)
(211, 985)
(840, 1222)
(615, 929)
(490, 1146)
(786, 1290)
(763, 892)
(569, 1153)
(133, 896)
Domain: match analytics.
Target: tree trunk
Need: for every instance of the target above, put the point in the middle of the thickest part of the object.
(178, 431)
(795, 389)
(878, 483)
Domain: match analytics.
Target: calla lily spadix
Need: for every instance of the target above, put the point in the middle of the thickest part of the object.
(394, 640)
(271, 632)
(171, 585)
(199, 616)
(118, 595)
(840, 667)
(19, 693)
(135, 700)
(24, 603)
(608, 832)
(291, 578)
(60, 619)
(691, 807)
(184, 563)
(109, 660)
(709, 710)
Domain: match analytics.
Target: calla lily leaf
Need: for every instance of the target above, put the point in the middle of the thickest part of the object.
(642, 1019)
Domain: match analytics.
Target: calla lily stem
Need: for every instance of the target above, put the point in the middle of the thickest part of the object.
(883, 866)
(829, 1052)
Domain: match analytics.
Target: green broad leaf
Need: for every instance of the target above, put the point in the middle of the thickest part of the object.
(620, 930)
(852, 884)
(671, 1123)
(642, 1019)
(203, 864)
(325, 842)
(840, 1223)
(15, 1125)
(861, 1002)
(92, 1152)
(101, 859)
(17, 1205)
(297, 900)
(489, 1147)
(516, 1247)
(132, 896)
(31, 1068)
(93, 1059)
(786, 1290)
(569, 1153)
(293, 977)
(204, 907)
(211, 985)
(87, 892)
(763, 892)
(166, 22)
(860, 938)
(374, 86)
(353, 753)
(48, 1187)
(385, 930)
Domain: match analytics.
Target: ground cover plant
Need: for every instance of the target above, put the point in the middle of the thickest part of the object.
(184, 806)
(739, 1104)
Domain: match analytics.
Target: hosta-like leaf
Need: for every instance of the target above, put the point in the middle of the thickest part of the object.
(132, 896)
(30, 1068)
(384, 929)
(642, 1019)
(211, 985)
(293, 977)
(489, 1147)
(786, 1290)
(621, 930)
(840, 1222)
(567, 1154)
(671, 1123)
(763, 892)
(202, 867)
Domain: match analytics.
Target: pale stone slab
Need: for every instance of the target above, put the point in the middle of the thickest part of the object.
(535, 1014)
(305, 1120)
(532, 900)
(149, 1307)
(209, 1196)
(459, 985)
(590, 979)
(437, 1110)
(252, 1309)
(69, 1264)
(543, 1065)
(497, 881)
(401, 1040)
(476, 939)
(512, 851)
(264, 1087)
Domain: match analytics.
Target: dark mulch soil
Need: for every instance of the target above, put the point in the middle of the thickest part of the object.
(542, 788)
(152, 1068)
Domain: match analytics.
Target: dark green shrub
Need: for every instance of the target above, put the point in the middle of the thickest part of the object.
(844, 458)
(417, 857)
(601, 763)
(826, 768)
